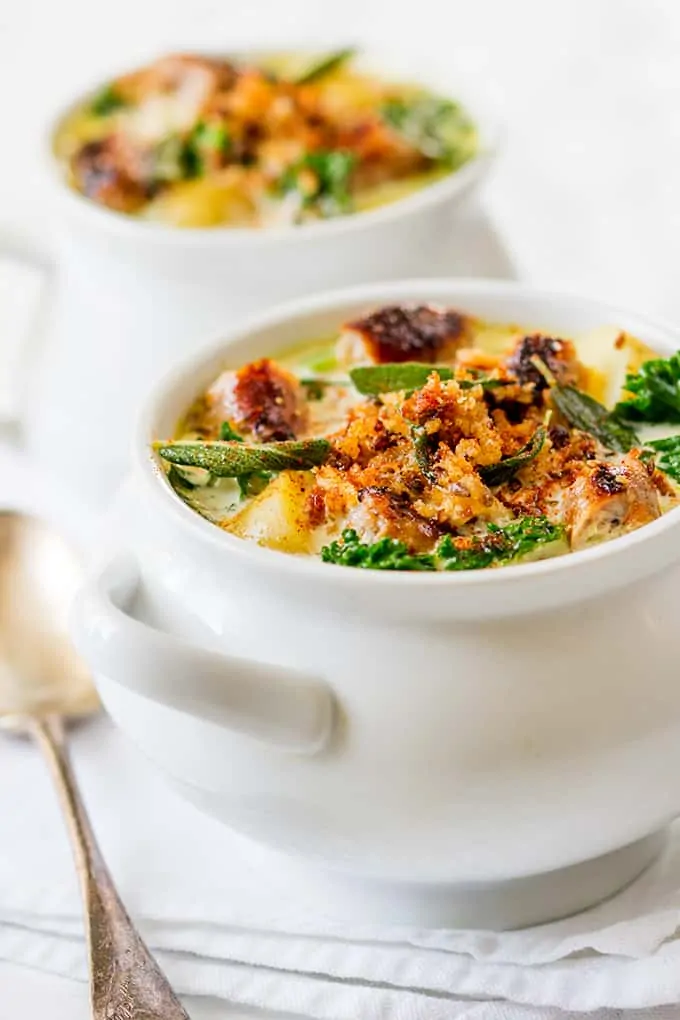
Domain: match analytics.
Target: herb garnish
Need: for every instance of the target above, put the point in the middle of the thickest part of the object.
(439, 128)
(254, 482)
(587, 414)
(372, 380)
(322, 181)
(654, 392)
(205, 141)
(424, 445)
(324, 65)
(316, 388)
(505, 469)
(107, 101)
(517, 540)
(233, 458)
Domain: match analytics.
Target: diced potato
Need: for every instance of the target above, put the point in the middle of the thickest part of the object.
(610, 355)
(495, 338)
(278, 517)
(202, 203)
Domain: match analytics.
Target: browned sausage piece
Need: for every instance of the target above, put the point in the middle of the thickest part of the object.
(559, 356)
(607, 500)
(101, 172)
(403, 333)
(262, 399)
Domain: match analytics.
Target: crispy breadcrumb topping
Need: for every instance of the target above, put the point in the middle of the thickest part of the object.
(447, 469)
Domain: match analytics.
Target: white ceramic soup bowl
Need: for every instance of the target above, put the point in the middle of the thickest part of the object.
(487, 748)
(133, 295)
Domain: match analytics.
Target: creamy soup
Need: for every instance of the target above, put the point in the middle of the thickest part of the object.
(197, 141)
(421, 438)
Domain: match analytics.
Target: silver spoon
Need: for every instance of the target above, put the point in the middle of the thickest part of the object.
(43, 683)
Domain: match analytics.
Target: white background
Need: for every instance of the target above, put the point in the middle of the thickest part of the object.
(590, 89)
(586, 194)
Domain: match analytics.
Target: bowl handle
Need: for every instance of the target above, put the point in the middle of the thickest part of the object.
(282, 707)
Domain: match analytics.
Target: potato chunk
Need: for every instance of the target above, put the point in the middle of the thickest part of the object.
(279, 517)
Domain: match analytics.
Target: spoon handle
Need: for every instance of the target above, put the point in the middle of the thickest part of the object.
(125, 980)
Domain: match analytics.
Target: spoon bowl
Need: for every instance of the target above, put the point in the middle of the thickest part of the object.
(43, 682)
(40, 672)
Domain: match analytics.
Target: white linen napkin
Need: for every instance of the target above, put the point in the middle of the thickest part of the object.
(221, 926)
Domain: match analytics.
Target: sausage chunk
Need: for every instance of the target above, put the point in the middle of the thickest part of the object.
(608, 500)
(102, 171)
(261, 399)
(401, 333)
(558, 355)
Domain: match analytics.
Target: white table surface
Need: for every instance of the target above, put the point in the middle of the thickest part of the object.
(586, 195)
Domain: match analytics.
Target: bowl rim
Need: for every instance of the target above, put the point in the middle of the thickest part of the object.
(480, 107)
(147, 467)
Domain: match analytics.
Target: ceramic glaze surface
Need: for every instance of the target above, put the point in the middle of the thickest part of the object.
(480, 728)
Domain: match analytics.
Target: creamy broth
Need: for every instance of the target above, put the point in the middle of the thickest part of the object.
(192, 141)
(470, 455)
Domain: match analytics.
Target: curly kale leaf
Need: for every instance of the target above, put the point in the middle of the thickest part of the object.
(107, 101)
(654, 392)
(321, 179)
(669, 459)
(524, 537)
(439, 128)
(385, 554)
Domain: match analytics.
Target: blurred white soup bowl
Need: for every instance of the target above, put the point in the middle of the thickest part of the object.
(134, 295)
(489, 748)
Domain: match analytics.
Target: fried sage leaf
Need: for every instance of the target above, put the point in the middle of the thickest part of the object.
(424, 446)
(324, 65)
(371, 380)
(504, 470)
(587, 414)
(232, 459)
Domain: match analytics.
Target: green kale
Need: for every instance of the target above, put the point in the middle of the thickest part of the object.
(523, 537)
(654, 392)
(439, 128)
(205, 141)
(669, 461)
(107, 101)
(331, 172)
(385, 554)
(505, 469)
(184, 157)
(229, 434)
(526, 536)
(325, 65)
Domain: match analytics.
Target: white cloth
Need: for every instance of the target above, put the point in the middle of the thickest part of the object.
(202, 901)
(205, 903)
